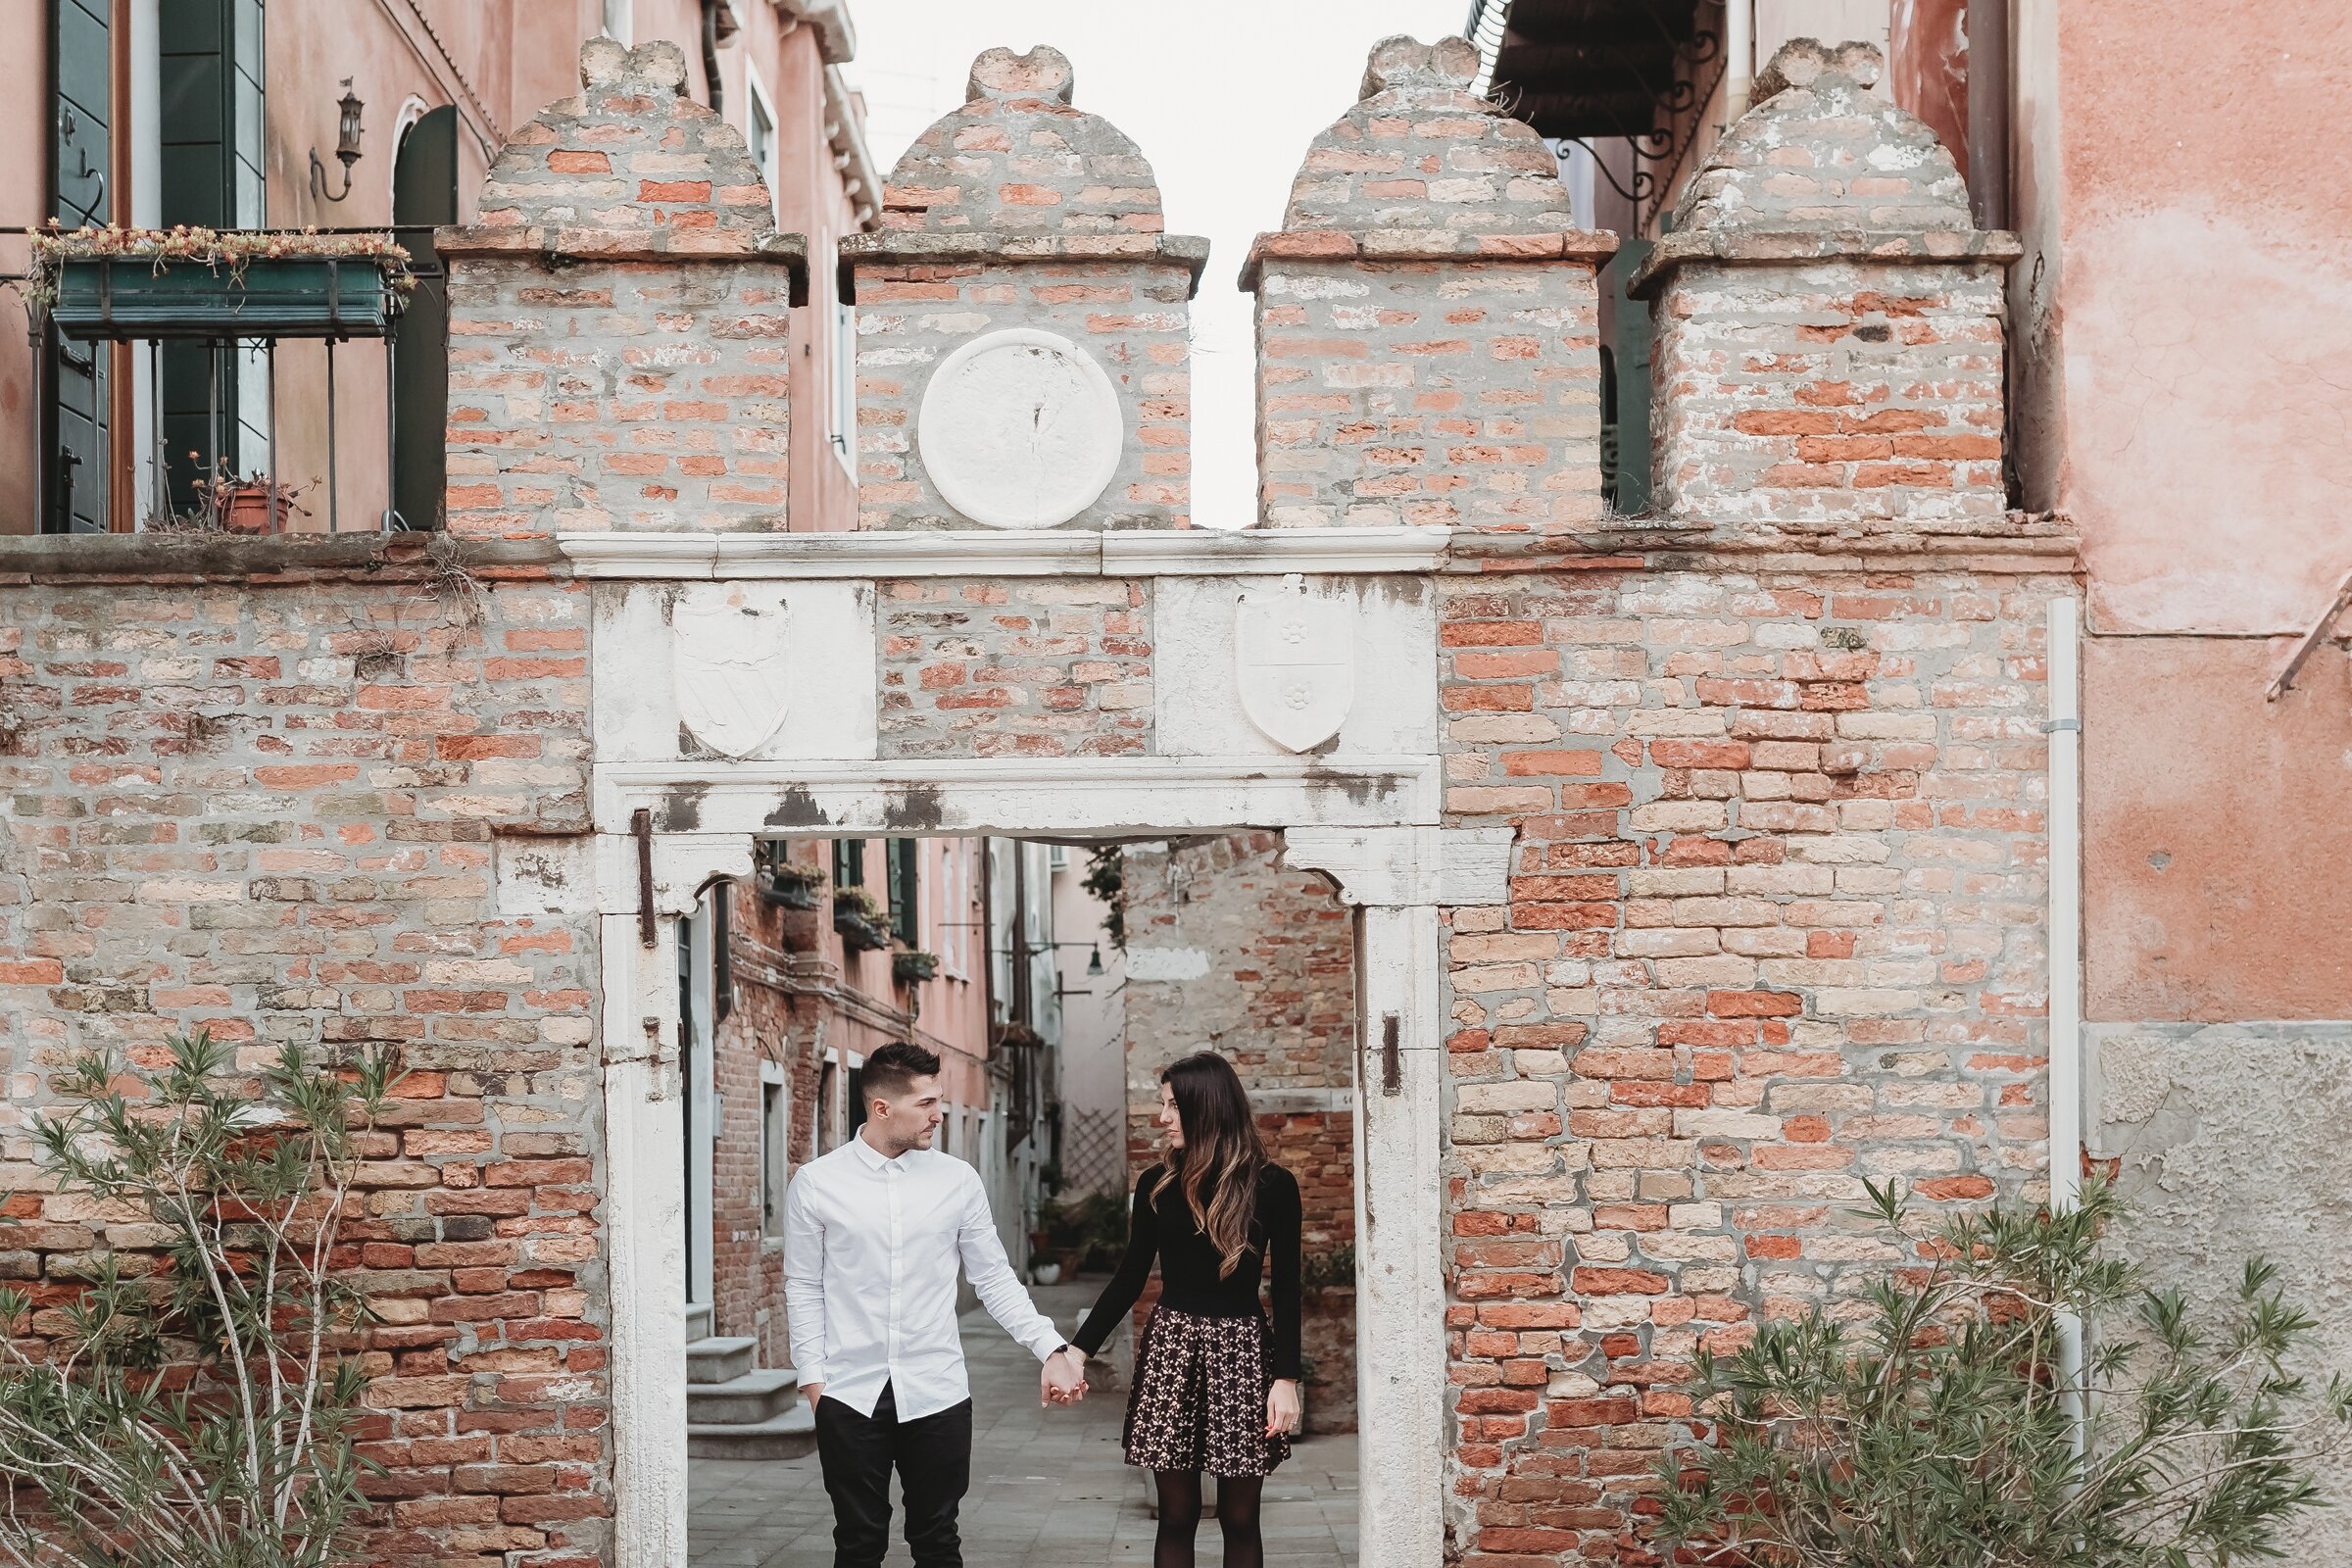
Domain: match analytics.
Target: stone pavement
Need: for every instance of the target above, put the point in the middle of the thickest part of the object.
(1049, 1487)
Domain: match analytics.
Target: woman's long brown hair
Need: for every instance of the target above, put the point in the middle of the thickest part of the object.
(1219, 1166)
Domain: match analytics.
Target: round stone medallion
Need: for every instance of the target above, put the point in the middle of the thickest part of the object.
(1020, 429)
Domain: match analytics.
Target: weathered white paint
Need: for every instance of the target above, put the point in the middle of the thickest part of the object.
(986, 553)
(1399, 1270)
(538, 875)
(1128, 795)
(727, 667)
(1020, 428)
(1195, 695)
(644, 1215)
(1456, 867)
(1294, 662)
(824, 654)
(1146, 966)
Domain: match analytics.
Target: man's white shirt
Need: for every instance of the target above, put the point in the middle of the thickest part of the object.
(870, 1252)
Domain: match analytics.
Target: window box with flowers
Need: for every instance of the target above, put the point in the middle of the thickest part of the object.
(858, 915)
(911, 966)
(792, 885)
(117, 285)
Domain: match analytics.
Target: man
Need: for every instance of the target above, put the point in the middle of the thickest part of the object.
(872, 1236)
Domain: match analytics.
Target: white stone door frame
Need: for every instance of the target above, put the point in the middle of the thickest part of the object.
(1370, 824)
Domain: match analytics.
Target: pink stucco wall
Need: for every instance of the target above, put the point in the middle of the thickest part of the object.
(2203, 311)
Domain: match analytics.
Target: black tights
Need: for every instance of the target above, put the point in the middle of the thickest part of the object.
(1180, 1517)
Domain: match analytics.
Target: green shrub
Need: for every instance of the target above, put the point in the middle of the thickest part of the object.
(194, 1402)
(1944, 1429)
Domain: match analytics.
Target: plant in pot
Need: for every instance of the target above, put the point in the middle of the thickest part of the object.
(252, 504)
(792, 885)
(912, 966)
(858, 915)
(114, 284)
(795, 892)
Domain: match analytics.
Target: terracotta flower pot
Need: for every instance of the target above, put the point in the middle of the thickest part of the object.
(252, 508)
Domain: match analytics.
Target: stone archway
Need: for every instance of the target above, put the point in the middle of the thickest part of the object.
(1353, 824)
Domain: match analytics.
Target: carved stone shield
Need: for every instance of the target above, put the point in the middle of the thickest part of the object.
(727, 663)
(1295, 655)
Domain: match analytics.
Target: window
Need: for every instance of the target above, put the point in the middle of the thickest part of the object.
(849, 862)
(845, 385)
(857, 1105)
(776, 1146)
(723, 955)
(760, 130)
(904, 859)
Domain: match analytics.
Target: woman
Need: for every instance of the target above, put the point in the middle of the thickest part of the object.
(1215, 1389)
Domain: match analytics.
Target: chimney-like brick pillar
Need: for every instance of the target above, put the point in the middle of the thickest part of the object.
(1828, 324)
(1019, 212)
(1427, 319)
(617, 318)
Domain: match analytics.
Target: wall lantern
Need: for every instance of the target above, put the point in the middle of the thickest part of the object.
(346, 147)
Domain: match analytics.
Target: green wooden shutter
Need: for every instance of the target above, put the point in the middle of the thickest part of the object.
(74, 374)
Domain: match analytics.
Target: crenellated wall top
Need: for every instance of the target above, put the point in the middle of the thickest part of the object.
(630, 165)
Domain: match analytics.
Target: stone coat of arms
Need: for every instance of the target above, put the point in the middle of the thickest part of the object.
(727, 663)
(1295, 656)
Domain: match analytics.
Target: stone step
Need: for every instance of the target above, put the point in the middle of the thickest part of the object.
(698, 1323)
(719, 1359)
(756, 1397)
(781, 1437)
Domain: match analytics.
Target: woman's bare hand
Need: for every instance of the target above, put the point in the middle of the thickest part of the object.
(1281, 1408)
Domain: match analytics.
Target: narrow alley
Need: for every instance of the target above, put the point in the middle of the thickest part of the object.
(1049, 1487)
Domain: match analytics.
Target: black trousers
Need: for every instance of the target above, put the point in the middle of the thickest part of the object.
(933, 1456)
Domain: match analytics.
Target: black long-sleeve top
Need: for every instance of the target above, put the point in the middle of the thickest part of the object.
(1161, 1226)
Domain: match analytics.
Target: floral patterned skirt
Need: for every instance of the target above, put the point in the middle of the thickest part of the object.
(1199, 1397)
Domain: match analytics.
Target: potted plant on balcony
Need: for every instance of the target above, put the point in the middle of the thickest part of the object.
(125, 283)
(250, 504)
(911, 966)
(792, 885)
(795, 892)
(858, 917)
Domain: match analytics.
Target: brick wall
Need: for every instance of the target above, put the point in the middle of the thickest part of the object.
(1827, 353)
(273, 807)
(1134, 318)
(1015, 667)
(1423, 355)
(1775, 925)
(618, 318)
(1020, 210)
(1278, 1000)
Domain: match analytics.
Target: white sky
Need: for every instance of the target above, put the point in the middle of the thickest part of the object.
(1221, 95)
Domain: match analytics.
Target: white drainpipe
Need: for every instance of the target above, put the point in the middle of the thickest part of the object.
(2065, 730)
(1740, 58)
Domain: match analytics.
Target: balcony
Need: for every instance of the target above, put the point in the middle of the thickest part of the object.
(191, 379)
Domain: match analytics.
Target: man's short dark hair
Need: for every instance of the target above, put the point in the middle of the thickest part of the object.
(892, 1071)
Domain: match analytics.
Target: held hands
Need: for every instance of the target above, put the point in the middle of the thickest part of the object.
(1062, 1379)
(1281, 1408)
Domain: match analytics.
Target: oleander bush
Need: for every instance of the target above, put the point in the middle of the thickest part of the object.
(188, 1392)
(1954, 1426)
